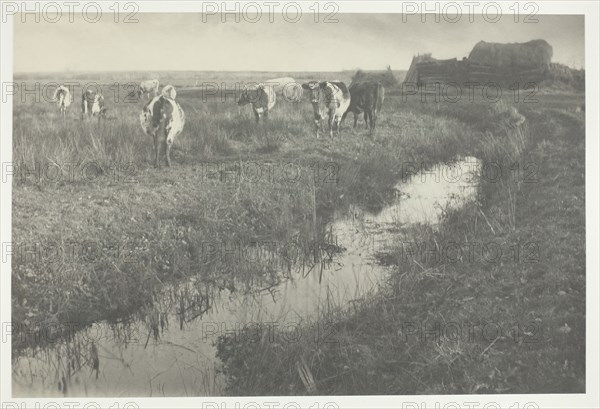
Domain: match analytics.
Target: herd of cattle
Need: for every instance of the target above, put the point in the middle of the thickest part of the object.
(163, 119)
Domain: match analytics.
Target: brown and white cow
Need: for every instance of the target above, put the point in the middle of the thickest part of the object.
(63, 99)
(146, 87)
(367, 97)
(330, 98)
(163, 119)
(92, 104)
(261, 97)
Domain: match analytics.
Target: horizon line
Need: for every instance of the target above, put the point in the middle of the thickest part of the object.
(191, 70)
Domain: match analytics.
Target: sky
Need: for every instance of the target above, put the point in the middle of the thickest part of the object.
(172, 41)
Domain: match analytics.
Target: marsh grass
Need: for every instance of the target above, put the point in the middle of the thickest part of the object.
(164, 217)
(115, 197)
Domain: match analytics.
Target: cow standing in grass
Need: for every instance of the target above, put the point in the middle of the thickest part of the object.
(261, 97)
(92, 104)
(163, 119)
(146, 87)
(367, 97)
(63, 99)
(331, 98)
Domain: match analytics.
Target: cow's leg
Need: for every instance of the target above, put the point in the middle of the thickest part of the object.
(331, 121)
(168, 144)
(373, 120)
(256, 116)
(355, 119)
(156, 149)
(366, 118)
(266, 115)
(317, 126)
(170, 135)
(338, 122)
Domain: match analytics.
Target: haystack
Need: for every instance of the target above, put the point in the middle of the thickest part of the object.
(412, 75)
(386, 78)
(532, 54)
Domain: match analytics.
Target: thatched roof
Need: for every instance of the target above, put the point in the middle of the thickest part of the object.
(532, 54)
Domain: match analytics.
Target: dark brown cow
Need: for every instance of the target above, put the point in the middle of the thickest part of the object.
(367, 97)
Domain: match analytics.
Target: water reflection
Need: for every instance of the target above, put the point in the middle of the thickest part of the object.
(168, 349)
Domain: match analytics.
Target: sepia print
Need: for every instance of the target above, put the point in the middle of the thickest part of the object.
(295, 200)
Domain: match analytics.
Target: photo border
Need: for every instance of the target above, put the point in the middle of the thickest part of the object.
(591, 398)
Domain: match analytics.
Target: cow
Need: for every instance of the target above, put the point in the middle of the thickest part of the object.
(63, 99)
(261, 97)
(92, 104)
(287, 87)
(331, 98)
(163, 119)
(148, 86)
(367, 97)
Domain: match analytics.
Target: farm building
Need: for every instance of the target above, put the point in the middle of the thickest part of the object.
(488, 62)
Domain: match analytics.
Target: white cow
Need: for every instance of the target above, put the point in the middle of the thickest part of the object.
(163, 119)
(63, 99)
(287, 87)
(148, 86)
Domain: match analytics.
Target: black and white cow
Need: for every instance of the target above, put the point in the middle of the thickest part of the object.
(63, 99)
(331, 99)
(146, 87)
(367, 97)
(163, 119)
(261, 96)
(92, 104)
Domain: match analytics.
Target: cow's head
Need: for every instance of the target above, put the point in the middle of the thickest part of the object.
(314, 88)
(243, 100)
(89, 95)
(169, 91)
(250, 95)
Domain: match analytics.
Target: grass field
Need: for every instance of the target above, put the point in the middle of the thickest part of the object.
(130, 229)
